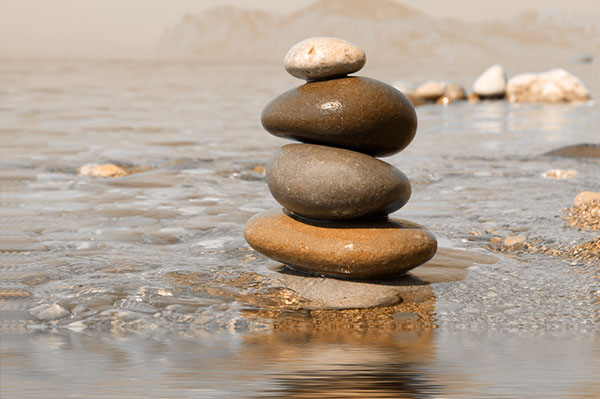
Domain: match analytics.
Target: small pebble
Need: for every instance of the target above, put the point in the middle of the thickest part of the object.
(37, 309)
(54, 312)
(560, 174)
(323, 57)
(105, 170)
(430, 91)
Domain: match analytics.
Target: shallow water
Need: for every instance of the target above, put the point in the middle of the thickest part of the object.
(106, 250)
(279, 365)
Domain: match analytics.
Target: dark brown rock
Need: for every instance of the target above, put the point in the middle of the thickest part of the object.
(356, 113)
(584, 150)
(329, 183)
(365, 249)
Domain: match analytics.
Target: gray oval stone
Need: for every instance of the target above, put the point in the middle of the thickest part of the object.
(328, 183)
(355, 113)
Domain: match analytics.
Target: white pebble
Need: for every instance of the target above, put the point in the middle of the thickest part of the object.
(323, 57)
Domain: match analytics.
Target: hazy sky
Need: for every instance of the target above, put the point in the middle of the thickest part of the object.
(131, 28)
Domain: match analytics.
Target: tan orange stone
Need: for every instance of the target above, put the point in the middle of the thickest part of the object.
(104, 170)
(586, 196)
(352, 249)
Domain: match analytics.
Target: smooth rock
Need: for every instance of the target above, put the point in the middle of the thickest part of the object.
(329, 183)
(430, 91)
(357, 249)
(556, 85)
(585, 150)
(317, 292)
(491, 83)
(355, 113)
(586, 196)
(323, 57)
(105, 170)
(54, 312)
(454, 92)
(332, 293)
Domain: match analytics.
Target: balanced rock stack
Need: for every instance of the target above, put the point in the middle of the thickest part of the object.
(336, 195)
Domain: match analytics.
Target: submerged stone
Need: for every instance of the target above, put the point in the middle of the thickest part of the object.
(585, 150)
(332, 293)
(329, 183)
(323, 57)
(355, 113)
(356, 249)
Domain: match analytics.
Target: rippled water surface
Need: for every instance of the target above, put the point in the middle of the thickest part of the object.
(109, 250)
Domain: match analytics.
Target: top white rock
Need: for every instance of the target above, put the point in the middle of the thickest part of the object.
(491, 83)
(323, 57)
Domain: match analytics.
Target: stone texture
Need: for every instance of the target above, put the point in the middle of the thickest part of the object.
(586, 196)
(53, 312)
(556, 85)
(585, 150)
(355, 113)
(332, 293)
(329, 183)
(105, 170)
(454, 92)
(365, 249)
(430, 91)
(317, 292)
(491, 83)
(323, 57)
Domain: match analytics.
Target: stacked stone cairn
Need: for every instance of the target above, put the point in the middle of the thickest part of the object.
(336, 195)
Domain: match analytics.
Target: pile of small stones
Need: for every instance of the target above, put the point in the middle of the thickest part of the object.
(336, 195)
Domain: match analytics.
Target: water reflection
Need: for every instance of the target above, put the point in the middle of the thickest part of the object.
(283, 364)
(491, 117)
(301, 364)
(552, 119)
(341, 365)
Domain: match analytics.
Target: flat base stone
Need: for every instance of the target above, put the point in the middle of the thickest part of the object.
(317, 292)
(331, 293)
(353, 249)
